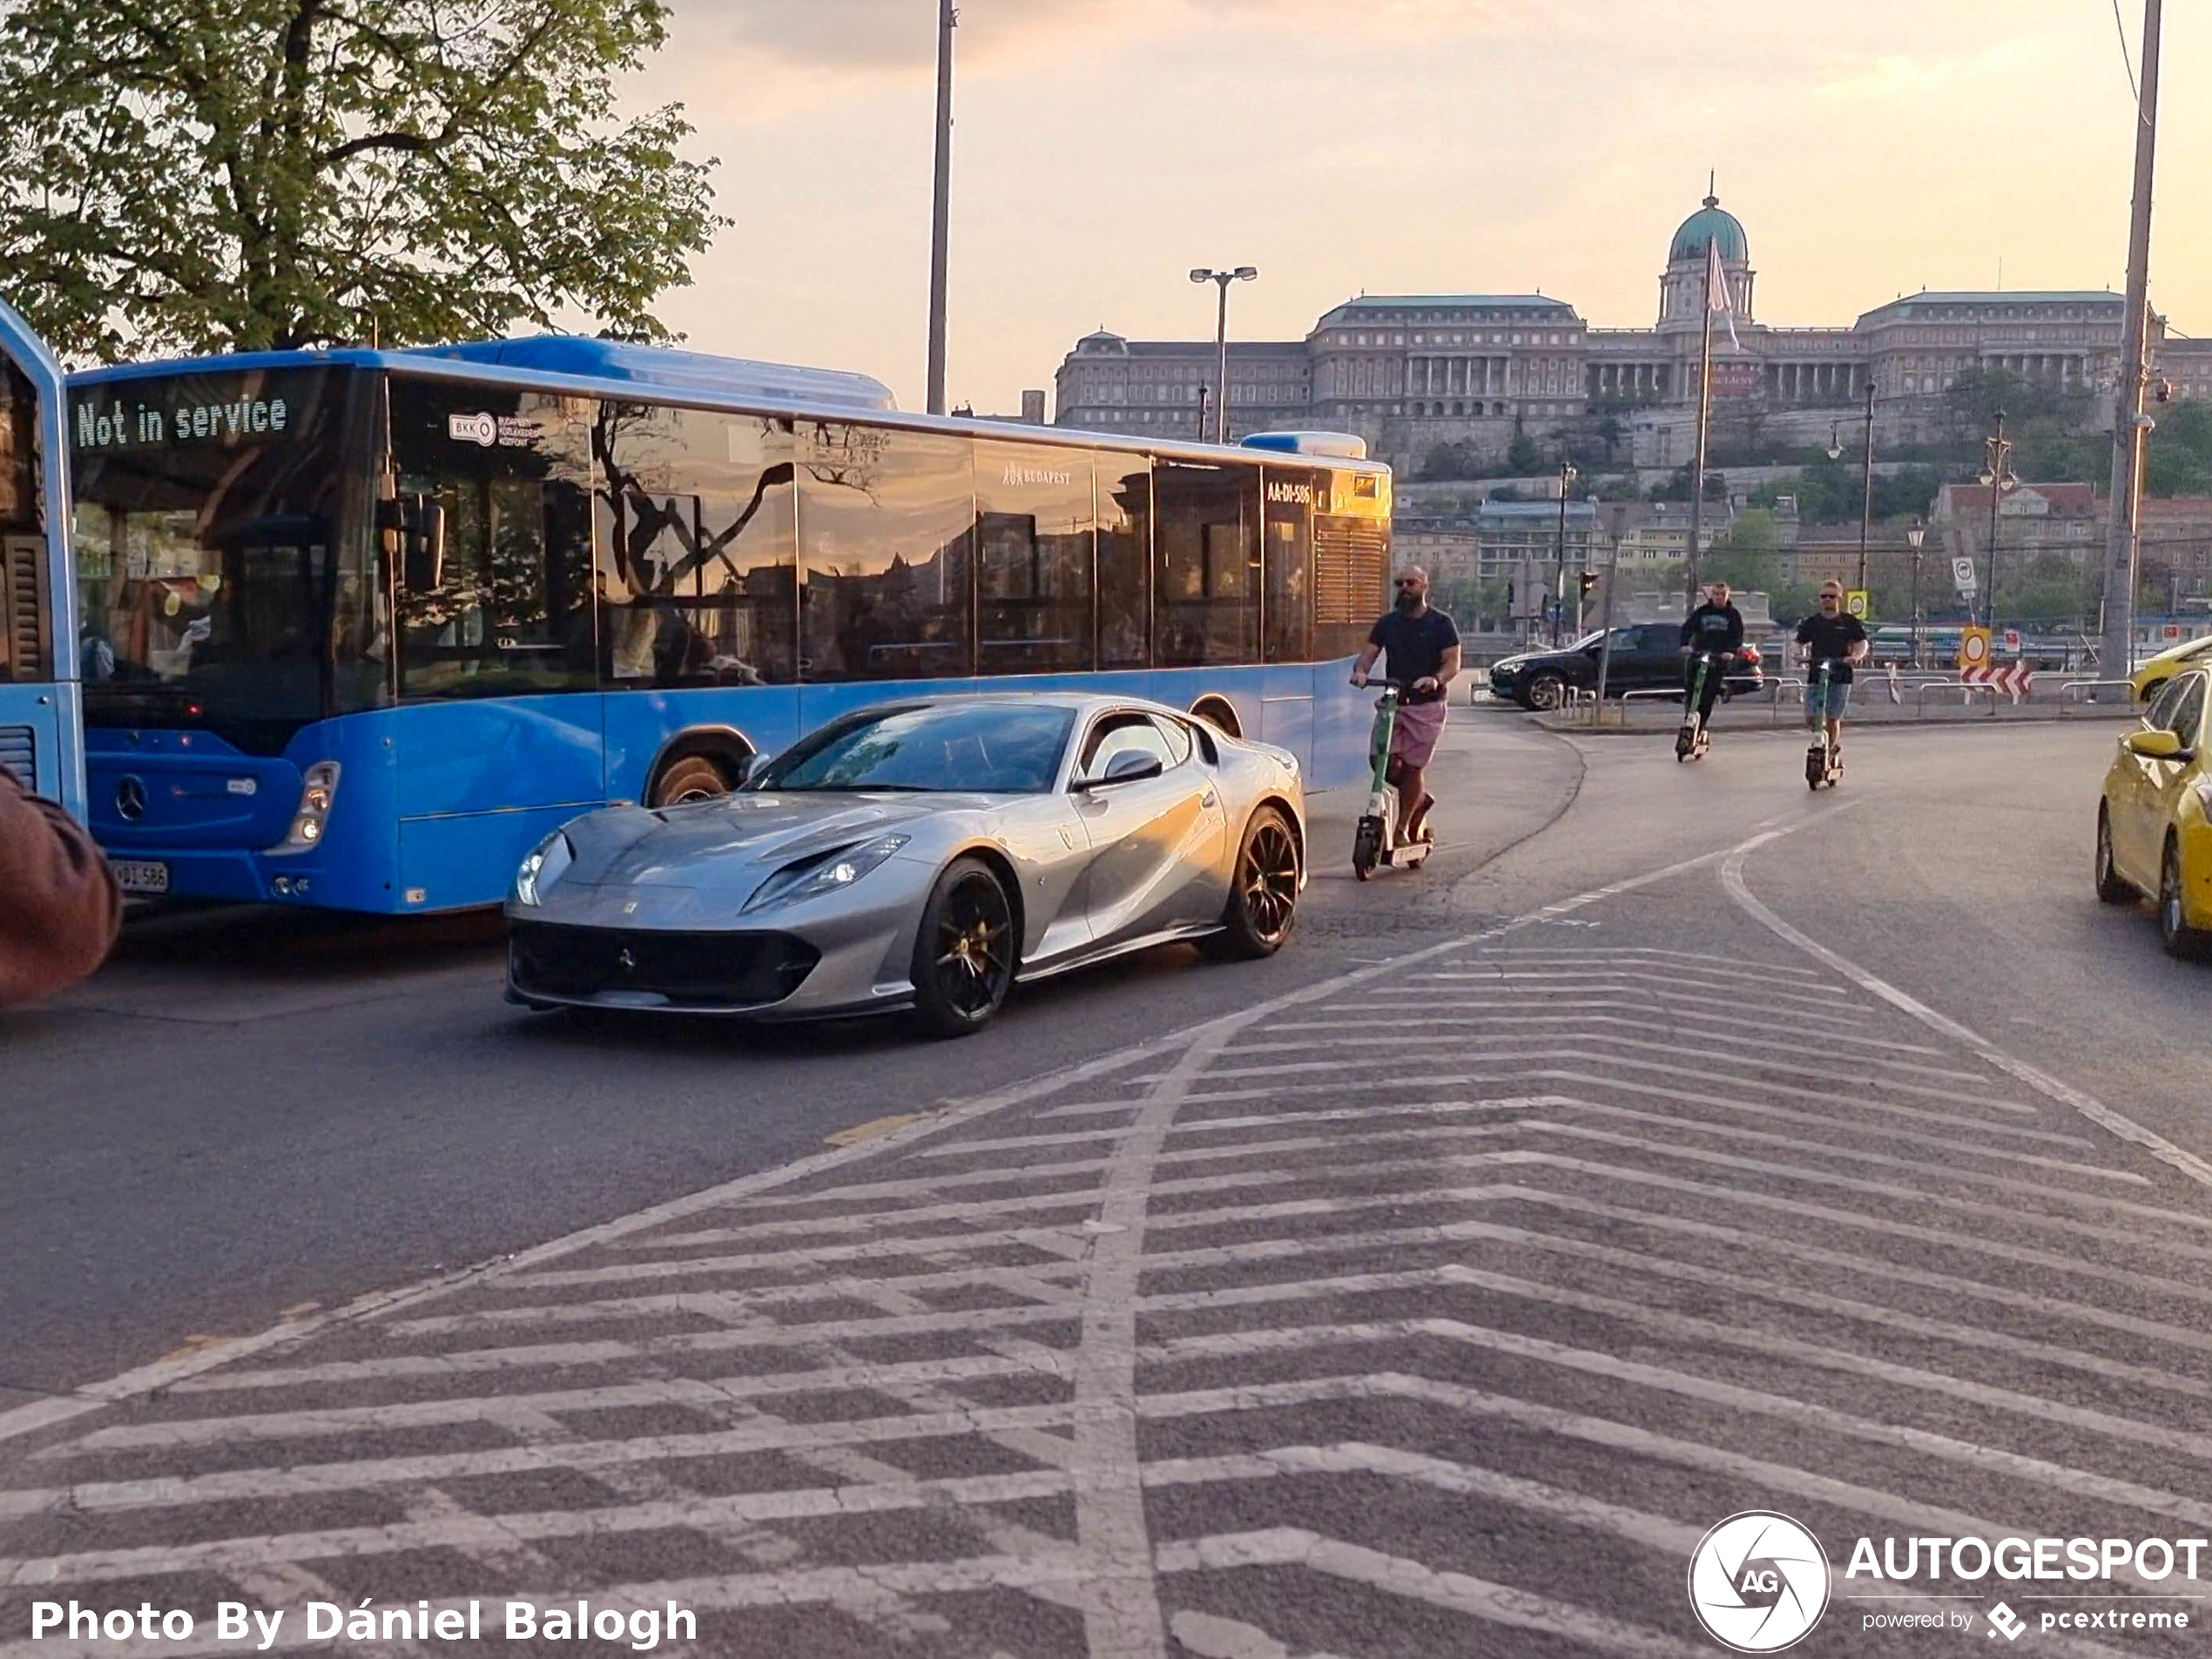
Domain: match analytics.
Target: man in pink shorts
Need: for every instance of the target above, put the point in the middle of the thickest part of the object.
(1422, 647)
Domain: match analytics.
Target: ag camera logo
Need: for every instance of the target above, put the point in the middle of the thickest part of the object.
(1758, 1581)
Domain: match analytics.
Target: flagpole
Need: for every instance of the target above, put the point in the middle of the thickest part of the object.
(1704, 414)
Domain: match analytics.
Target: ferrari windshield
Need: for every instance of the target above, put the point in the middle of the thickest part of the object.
(998, 748)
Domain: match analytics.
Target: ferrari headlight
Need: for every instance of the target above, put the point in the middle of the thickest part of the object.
(810, 878)
(547, 862)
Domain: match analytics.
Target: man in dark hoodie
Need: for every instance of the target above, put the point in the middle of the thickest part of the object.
(59, 909)
(1716, 627)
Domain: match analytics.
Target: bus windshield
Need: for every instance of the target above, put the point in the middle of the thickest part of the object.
(223, 585)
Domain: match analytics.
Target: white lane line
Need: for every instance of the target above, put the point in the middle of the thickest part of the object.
(1826, 1015)
(1569, 968)
(2042, 1082)
(318, 1480)
(1209, 1635)
(1613, 954)
(1540, 983)
(671, 1391)
(1498, 1604)
(1702, 1045)
(1799, 1211)
(1121, 1603)
(2075, 1482)
(1865, 1266)
(720, 1307)
(1294, 1120)
(1561, 1011)
(1694, 1455)
(1844, 1307)
(1710, 1075)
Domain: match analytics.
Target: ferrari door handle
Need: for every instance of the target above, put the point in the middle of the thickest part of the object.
(1208, 799)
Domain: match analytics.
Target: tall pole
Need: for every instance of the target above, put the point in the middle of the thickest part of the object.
(1998, 470)
(1558, 579)
(1221, 349)
(2123, 541)
(1866, 499)
(940, 225)
(1704, 417)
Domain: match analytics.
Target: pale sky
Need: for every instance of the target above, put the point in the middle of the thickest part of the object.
(1104, 147)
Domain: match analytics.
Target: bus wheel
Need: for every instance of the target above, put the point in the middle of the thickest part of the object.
(1218, 713)
(692, 777)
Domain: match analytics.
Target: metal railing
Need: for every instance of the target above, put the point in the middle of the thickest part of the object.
(2074, 693)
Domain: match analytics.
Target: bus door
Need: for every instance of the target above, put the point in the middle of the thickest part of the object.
(42, 734)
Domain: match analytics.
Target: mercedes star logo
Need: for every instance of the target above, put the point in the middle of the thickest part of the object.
(626, 960)
(130, 800)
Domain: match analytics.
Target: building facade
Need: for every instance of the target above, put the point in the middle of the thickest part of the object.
(1413, 373)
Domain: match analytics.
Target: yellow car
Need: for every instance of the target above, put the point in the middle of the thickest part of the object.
(2154, 674)
(2154, 824)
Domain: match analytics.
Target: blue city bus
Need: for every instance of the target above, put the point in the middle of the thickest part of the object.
(41, 737)
(360, 627)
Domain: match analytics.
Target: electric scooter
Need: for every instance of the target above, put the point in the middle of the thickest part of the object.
(1375, 841)
(1693, 739)
(1823, 762)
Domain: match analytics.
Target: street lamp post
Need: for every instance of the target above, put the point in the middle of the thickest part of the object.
(940, 216)
(1999, 476)
(1222, 279)
(1559, 583)
(1867, 490)
(1913, 538)
(1205, 395)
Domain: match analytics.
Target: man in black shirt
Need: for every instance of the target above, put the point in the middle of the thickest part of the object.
(1716, 627)
(1422, 644)
(1836, 636)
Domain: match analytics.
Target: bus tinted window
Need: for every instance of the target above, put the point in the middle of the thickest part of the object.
(884, 522)
(26, 651)
(512, 610)
(213, 536)
(1125, 495)
(1208, 595)
(1287, 557)
(1033, 559)
(697, 562)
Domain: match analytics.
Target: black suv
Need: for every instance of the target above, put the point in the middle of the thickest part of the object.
(1647, 656)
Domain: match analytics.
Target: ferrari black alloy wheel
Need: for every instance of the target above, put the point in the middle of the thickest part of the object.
(964, 954)
(1263, 894)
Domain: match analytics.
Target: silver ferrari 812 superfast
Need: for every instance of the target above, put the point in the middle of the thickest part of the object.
(921, 855)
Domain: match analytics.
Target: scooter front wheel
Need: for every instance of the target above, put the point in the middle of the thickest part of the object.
(1367, 848)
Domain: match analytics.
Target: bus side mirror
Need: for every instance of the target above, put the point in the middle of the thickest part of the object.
(413, 533)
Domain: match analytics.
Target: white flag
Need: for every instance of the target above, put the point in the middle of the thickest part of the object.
(1716, 294)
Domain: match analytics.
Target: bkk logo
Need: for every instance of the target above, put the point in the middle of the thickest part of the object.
(1758, 1581)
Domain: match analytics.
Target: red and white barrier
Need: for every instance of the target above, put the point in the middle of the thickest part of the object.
(2016, 680)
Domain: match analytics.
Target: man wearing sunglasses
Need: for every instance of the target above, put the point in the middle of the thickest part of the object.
(1833, 636)
(1422, 645)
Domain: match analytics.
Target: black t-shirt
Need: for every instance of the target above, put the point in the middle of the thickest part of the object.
(1416, 646)
(1832, 637)
(1712, 627)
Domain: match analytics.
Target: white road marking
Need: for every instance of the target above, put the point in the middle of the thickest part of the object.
(2042, 1082)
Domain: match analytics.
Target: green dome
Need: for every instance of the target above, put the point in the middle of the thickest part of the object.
(1711, 223)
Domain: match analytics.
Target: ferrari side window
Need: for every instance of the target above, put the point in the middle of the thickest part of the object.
(1178, 739)
(2161, 713)
(1121, 734)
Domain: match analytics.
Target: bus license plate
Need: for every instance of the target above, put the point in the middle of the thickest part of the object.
(140, 875)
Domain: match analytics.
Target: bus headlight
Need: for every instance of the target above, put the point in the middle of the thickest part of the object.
(546, 863)
(318, 791)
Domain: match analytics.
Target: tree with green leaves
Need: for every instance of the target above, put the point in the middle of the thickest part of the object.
(280, 173)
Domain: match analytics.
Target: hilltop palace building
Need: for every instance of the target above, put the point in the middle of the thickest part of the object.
(1410, 373)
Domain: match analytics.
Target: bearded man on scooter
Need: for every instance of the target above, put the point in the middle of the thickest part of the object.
(1422, 645)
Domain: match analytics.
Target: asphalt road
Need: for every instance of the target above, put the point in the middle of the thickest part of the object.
(1681, 1143)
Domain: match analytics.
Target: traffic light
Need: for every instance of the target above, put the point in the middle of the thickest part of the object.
(1589, 583)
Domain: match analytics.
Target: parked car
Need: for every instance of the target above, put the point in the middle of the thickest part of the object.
(2152, 676)
(921, 855)
(2155, 820)
(1647, 656)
